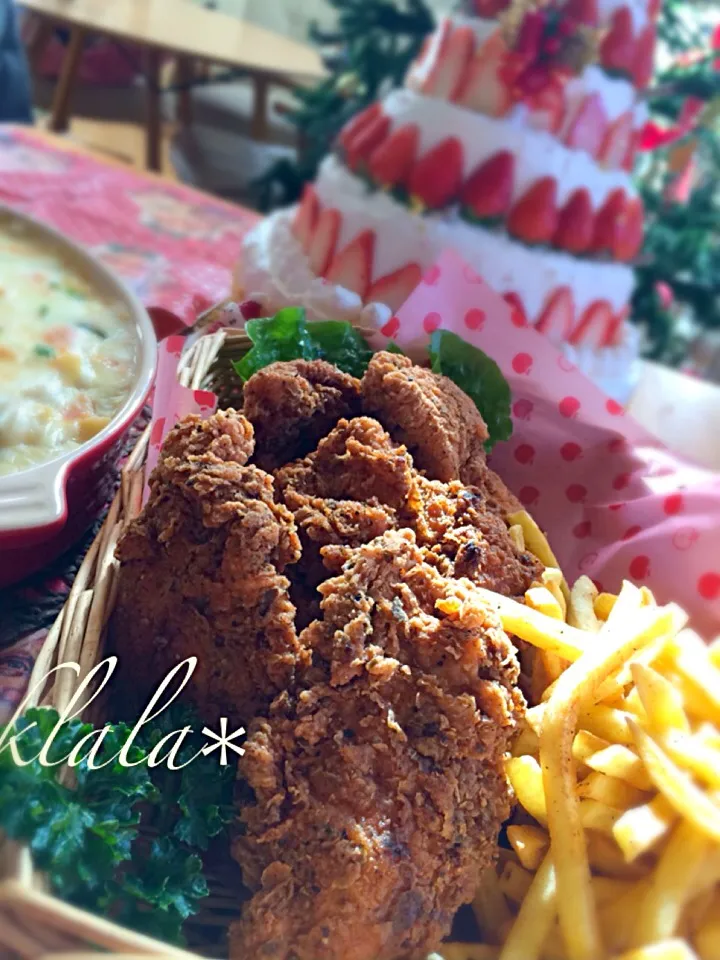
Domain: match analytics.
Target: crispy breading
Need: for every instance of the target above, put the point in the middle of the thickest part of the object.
(439, 424)
(292, 405)
(379, 789)
(201, 576)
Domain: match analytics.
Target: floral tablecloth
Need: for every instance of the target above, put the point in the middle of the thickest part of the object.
(175, 247)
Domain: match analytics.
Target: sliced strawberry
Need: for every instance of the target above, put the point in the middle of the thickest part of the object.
(390, 163)
(352, 266)
(323, 242)
(633, 144)
(644, 57)
(589, 126)
(436, 178)
(582, 11)
(431, 55)
(394, 288)
(362, 145)
(357, 124)
(306, 217)
(488, 192)
(490, 8)
(558, 315)
(607, 221)
(448, 71)
(615, 329)
(519, 317)
(630, 231)
(534, 217)
(617, 51)
(484, 88)
(617, 142)
(594, 325)
(546, 108)
(576, 223)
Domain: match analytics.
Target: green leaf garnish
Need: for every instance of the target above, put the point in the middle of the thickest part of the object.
(41, 350)
(479, 376)
(289, 336)
(86, 836)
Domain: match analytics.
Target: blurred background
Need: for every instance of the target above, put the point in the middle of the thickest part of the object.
(253, 132)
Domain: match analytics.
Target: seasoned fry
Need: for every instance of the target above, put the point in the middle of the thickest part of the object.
(526, 780)
(542, 600)
(526, 742)
(663, 705)
(586, 745)
(491, 909)
(607, 722)
(576, 908)
(695, 755)
(610, 790)
(553, 579)
(529, 843)
(639, 829)
(536, 542)
(668, 950)
(604, 602)
(465, 951)
(620, 762)
(513, 881)
(707, 937)
(607, 860)
(536, 916)
(663, 903)
(535, 628)
(595, 815)
(677, 788)
(581, 609)
(516, 535)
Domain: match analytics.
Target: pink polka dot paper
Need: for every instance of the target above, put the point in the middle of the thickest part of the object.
(171, 401)
(615, 503)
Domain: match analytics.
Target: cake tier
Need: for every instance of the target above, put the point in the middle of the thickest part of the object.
(275, 270)
(638, 13)
(365, 248)
(467, 62)
(436, 155)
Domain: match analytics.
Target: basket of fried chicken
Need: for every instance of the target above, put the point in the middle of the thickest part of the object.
(448, 750)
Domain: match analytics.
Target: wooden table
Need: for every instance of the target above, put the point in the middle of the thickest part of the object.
(191, 34)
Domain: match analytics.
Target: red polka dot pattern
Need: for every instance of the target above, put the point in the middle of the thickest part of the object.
(673, 504)
(576, 493)
(631, 532)
(582, 530)
(522, 363)
(621, 481)
(570, 451)
(432, 277)
(569, 407)
(475, 319)
(431, 322)
(639, 567)
(525, 454)
(523, 409)
(528, 496)
(709, 586)
(614, 408)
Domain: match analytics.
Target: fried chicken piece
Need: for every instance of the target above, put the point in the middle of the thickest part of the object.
(347, 493)
(292, 405)
(379, 789)
(201, 576)
(439, 424)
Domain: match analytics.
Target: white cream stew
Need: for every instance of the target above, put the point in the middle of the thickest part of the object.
(67, 357)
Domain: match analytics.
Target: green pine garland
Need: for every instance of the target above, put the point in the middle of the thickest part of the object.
(370, 51)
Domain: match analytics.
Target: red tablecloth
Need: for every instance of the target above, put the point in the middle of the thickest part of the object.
(174, 246)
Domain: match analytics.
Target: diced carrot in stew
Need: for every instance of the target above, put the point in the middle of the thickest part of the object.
(59, 337)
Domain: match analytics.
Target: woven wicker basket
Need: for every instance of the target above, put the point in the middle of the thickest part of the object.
(35, 925)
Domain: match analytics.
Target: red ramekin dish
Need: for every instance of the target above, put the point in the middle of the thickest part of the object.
(45, 509)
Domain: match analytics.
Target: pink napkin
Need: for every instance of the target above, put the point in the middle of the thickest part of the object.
(614, 502)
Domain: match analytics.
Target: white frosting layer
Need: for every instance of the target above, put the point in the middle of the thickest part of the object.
(274, 271)
(537, 153)
(272, 261)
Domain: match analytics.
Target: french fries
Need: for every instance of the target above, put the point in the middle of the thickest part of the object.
(616, 855)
